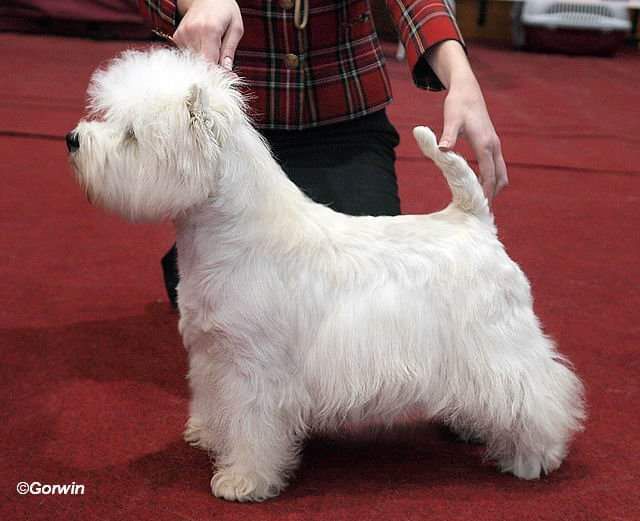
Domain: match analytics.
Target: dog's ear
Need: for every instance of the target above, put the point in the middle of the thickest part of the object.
(197, 103)
(206, 119)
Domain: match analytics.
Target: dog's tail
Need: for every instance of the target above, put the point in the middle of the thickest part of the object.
(465, 187)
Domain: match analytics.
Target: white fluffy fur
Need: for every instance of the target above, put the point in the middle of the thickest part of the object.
(297, 318)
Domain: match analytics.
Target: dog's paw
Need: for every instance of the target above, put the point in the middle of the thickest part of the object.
(197, 435)
(523, 468)
(532, 466)
(465, 434)
(233, 486)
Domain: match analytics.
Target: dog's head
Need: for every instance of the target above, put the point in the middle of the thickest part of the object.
(158, 122)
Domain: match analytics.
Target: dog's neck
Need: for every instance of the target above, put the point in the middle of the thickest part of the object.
(254, 204)
(251, 185)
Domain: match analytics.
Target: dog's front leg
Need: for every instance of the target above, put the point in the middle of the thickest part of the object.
(258, 448)
(202, 381)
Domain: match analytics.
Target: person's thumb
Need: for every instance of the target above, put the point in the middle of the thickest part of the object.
(449, 135)
(229, 44)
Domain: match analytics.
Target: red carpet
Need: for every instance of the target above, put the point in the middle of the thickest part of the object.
(92, 368)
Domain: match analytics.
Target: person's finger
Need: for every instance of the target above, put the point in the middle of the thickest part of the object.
(487, 174)
(502, 178)
(450, 133)
(229, 45)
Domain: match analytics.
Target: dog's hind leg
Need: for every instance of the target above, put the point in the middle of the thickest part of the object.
(525, 406)
(549, 411)
(526, 416)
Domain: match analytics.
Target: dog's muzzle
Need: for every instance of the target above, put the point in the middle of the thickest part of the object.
(73, 143)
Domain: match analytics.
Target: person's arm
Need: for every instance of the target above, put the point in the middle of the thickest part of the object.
(161, 14)
(465, 112)
(211, 27)
(437, 59)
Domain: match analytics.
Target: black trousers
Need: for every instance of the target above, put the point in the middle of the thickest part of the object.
(348, 166)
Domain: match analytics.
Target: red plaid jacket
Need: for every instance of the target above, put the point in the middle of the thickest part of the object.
(333, 69)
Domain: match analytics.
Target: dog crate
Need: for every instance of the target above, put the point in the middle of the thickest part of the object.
(571, 26)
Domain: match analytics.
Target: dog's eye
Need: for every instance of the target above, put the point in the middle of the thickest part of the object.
(130, 134)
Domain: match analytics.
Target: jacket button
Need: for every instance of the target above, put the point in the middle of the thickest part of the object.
(291, 61)
(285, 4)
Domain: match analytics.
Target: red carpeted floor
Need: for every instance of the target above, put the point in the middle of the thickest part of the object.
(92, 368)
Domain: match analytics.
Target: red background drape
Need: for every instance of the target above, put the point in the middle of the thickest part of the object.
(97, 18)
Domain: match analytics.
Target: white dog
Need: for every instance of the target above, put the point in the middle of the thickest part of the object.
(297, 318)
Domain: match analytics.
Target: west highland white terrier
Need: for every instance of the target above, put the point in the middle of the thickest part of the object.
(299, 319)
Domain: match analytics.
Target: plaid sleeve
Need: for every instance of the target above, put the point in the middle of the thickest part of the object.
(162, 14)
(422, 24)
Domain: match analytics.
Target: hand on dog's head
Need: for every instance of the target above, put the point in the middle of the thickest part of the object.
(157, 122)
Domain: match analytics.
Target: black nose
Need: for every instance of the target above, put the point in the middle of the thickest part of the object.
(73, 143)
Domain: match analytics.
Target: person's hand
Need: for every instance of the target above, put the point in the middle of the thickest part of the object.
(465, 113)
(210, 27)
